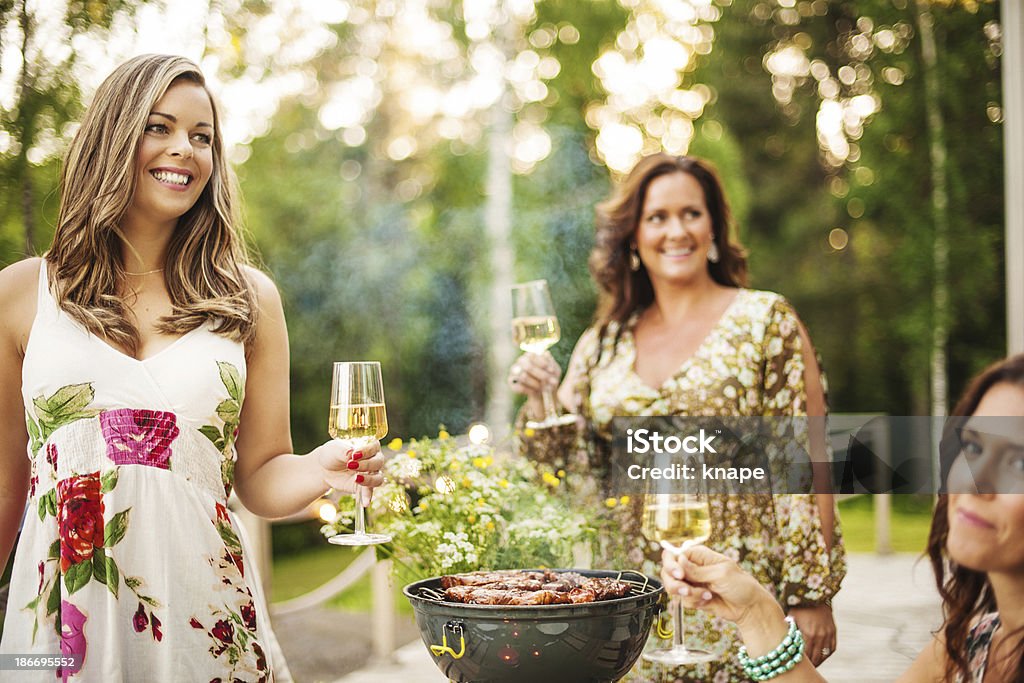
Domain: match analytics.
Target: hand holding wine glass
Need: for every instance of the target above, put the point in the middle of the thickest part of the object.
(358, 415)
(676, 515)
(535, 329)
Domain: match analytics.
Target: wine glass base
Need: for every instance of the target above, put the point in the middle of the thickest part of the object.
(560, 421)
(678, 656)
(360, 539)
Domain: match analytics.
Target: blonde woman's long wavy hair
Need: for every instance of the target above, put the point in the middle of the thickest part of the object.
(206, 254)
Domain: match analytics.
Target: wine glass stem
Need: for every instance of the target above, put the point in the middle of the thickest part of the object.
(679, 630)
(550, 413)
(360, 529)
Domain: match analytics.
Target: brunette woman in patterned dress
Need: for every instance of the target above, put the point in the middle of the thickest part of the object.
(144, 370)
(974, 546)
(678, 333)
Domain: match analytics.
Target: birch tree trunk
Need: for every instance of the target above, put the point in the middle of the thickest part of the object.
(940, 221)
(498, 216)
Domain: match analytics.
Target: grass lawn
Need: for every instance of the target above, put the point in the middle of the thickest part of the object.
(298, 573)
(910, 521)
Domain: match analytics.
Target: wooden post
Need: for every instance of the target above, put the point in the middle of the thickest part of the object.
(1013, 163)
(881, 439)
(383, 615)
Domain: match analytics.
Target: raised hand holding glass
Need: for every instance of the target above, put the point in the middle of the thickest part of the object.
(358, 414)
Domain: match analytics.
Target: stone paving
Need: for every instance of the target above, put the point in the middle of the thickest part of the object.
(885, 614)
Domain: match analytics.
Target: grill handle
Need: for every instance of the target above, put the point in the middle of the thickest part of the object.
(443, 648)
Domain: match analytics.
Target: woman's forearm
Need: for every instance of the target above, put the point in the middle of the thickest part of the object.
(282, 486)
(762, 629)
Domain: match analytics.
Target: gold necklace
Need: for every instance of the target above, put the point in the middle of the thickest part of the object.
(145, 272)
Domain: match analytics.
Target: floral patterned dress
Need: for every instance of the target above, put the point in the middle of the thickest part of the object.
(750, 364)
(128, 555)
(978, 642)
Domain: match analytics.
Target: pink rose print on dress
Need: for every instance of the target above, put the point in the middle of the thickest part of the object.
(139, 437)
(72, 636)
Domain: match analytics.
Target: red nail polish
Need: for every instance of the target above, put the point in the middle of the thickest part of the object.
(358, 455)
(360, 479)
(353, 465)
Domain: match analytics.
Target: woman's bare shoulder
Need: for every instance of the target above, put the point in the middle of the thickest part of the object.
(262, 284)
(19, 286)
(21, 277)
(930, 665)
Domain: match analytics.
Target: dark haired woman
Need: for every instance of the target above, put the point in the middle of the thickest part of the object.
(975, 549)
(678, 333)
(144, 372)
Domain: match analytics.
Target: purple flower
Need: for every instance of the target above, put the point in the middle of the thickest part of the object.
(51, 456)
(72, 636)
(140, 621)
(139, 437)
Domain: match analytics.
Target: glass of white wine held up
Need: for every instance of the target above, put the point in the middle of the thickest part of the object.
(535, 329)
(358, 414)
(676, 515)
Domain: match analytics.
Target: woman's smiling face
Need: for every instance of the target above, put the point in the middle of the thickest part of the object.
(174, 159)
(986, 485)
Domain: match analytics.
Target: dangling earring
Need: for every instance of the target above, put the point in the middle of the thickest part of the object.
(634, 259)
(713, 255)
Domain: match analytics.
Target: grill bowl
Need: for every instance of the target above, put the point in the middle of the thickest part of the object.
(598, 641)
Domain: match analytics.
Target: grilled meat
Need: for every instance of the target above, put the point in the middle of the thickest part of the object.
(514, 587)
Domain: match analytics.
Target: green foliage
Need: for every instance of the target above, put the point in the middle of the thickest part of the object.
(454, 508)
(369, 269)
(875, 345)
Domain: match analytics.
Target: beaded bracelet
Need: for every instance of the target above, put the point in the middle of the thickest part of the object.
(778, 661)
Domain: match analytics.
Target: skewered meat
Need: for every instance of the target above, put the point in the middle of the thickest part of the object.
(514, 587)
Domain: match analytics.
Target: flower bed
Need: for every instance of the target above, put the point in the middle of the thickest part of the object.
(456, 508)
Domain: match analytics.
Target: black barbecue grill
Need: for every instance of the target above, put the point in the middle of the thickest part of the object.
(595, 641)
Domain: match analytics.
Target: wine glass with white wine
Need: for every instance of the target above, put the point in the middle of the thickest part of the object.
(535, 329)
(676, 515)
(358, 413)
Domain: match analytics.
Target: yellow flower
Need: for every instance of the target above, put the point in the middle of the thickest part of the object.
(479, 463)
(503, 483)
(610, 502)
(454, 466)
(411, 454)
(550, 479)
(480, 502)
(395, 444)
(490, 526)
(466, 482)
(624, 500)
(471, 519)
(442, 435)
(529, 431)
(561, 474)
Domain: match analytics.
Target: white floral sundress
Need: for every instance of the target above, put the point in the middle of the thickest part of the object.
(128, 555)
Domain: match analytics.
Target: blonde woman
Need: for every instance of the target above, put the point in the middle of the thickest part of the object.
(144, 369)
